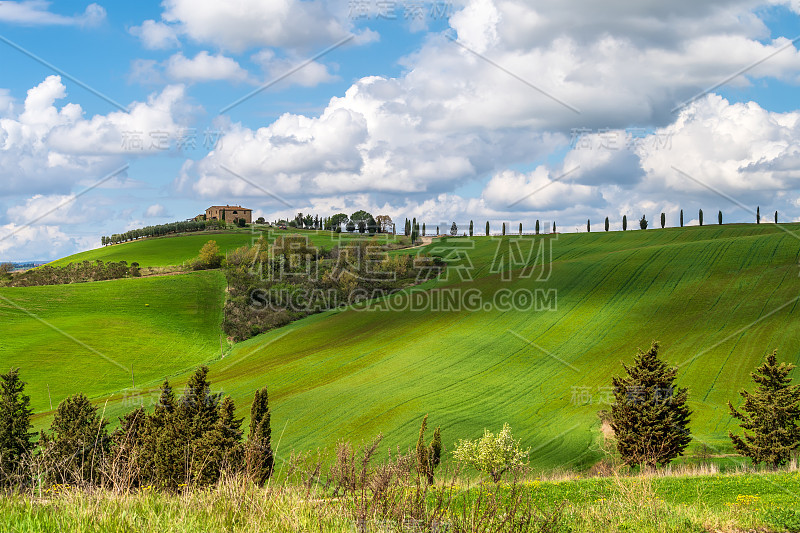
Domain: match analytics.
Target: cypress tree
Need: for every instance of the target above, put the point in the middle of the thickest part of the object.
(220, 447)
(470, 228)
(719, 218)
(487, 228)
(770, 415)
(776, 217)
(588, 226)
(643, 222)
(128, 449)
(649, 415)
(16, 439)
(520, 228)
(681, 217)
(606, 223)
(504, 229)
(423, 229)
(758, 215)
(260, 459)
(663, 220)
(624, 222)
(537, 226)
(554, 226)
(700, 215)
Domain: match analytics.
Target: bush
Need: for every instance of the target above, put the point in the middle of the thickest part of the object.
(492, 455)
(210, 257)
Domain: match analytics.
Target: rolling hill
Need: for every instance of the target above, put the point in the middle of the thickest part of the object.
(716, 297)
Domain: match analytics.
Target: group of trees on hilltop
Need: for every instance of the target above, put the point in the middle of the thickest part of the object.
(189, 440)
(650, 417)
(360, 221)
(185, 226)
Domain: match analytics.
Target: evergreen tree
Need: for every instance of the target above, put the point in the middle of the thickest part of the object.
(537, 226)
(470, 228)
(554, 226)
(520, 228)
(16, 439)
(649, 415)
(758, 215)
(588, 226)
(663, 220)
(624, 222)
(681, 217)
(643, 222)
(719, 218)
(487, 228)
(776, 217)
(770, 415)
(423, 229)
(700, 215)
(504, 229)
(454, 229)
(128, 449)
(77, 442)
(260, 459)
(220, 447)
(606, 223)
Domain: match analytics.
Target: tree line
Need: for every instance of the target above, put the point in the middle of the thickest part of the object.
(72, 273)
(191, 440)
(160, 230)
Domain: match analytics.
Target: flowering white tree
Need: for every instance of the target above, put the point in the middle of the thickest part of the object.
(492, 454)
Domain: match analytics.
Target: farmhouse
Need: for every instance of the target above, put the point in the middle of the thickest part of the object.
(229, 213)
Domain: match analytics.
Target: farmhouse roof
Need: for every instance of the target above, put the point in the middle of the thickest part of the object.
(229, 207)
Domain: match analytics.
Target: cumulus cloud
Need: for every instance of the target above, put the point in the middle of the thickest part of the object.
(29, 243)
(156, 211)
(46, 145)
(37, 13)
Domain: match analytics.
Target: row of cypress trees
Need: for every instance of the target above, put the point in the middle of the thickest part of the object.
(189, 440)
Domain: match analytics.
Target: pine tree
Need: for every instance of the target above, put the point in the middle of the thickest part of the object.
(770, 415)
(681, 217)
(470, 228)
(606, 223)
(700, 215)
(624, 222)
(537, 226)
(77, 442)
(649, 416)
(259, 457)
(16, 439)
(663, 220)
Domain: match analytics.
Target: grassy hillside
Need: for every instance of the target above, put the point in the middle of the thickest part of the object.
(716, 297)
(88, 337)
(177, 249)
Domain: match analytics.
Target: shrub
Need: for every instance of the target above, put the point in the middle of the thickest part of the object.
(492, 454)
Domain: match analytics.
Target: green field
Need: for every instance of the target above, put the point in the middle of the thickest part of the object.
(88, 337)
(716, 297)
(178, 249)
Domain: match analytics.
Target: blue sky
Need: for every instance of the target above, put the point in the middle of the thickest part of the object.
(444, 111)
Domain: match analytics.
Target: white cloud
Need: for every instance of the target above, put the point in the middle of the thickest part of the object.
(156, 35)
(37, 13)
(50, 209)
(45, 147)
(205, 67)
(31, 243)
(311, 75)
